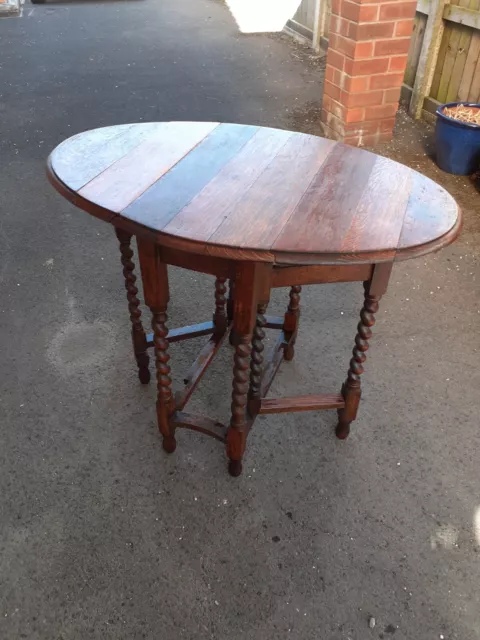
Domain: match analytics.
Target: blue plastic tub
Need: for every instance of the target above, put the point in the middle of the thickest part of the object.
(457, 143)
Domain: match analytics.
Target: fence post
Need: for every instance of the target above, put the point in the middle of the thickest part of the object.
(321, 10)
(428, 57)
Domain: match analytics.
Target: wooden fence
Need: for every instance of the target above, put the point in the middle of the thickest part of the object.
(444, 58)
(311, 22)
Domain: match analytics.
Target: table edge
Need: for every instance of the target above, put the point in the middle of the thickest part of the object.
(255, 255)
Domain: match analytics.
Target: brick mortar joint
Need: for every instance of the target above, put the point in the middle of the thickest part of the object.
(390, 3)
(385, 56)
(370, 22)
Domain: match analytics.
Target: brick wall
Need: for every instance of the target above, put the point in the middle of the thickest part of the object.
(367, 56)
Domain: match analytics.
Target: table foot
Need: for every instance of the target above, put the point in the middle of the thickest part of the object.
(143, 370)
(292, 318)
(169, 444)
(235, 468)
(289, 352)
(342, 430)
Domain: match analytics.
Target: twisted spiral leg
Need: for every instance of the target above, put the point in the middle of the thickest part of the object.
(138, 334)
(351, 389)
(237, 433)
(292, 318)
(220, 316)
(256, 361)
(165, 401)
(231, 293)
(230, 309)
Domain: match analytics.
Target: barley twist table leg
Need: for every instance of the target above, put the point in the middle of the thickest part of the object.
(351, 389)
(252, 286)
(292, 318)
(230, 310)
(155, 287)
(138, 334)
(220, 319)
(256, 362)
(237, 433)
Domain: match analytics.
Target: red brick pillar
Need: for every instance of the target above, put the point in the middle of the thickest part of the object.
(367, 55)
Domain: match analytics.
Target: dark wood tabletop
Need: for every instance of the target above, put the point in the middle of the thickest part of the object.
(254, 193)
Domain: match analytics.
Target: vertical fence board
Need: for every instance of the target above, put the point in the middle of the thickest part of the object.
(474, 95)
(465, 37)
(326, 19)
(471, 61)
(300, 15)
(450, 56)
(305, 14)
(440, 61)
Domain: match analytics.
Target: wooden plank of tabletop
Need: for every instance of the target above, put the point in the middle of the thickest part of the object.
(172, 192)
(82, 157)
(263, 210)
(431, 213)
(325, 212)
(126, 179)
(200, 219)
(380, 212)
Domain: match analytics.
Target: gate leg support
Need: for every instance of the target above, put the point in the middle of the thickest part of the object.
(351, 389)
(155, 286)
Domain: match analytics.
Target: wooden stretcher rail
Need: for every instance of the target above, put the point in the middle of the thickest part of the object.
(185, 333)
(198, 368)
(301, 403)
(274, 322)
(207, 426)
(272, 365)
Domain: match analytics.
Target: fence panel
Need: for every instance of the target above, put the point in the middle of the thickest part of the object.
(306, 14)
(453, 72)
(453, 77)
(311, 22)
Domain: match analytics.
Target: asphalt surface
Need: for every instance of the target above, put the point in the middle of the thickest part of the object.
(105, 536)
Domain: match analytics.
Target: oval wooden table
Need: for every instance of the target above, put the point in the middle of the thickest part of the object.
(261, 208)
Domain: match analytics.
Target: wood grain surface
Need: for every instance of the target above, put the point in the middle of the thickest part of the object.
(254, 193)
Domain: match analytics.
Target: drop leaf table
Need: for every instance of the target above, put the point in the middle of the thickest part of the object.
(257, 208)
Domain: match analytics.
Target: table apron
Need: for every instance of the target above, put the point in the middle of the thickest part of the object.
(280, 276)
